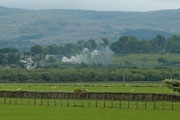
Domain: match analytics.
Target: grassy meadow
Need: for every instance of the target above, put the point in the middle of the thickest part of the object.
(24, 112)
(91, 87)
(27, 109)
(146, 59)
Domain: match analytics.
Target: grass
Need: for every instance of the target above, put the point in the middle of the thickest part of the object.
(27, 109)
(91, 87)
(145, 59)
(24, 112)
(158, 105)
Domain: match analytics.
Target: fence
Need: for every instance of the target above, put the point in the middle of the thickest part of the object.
(90, 99)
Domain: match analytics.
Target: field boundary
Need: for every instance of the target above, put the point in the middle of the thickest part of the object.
(91, 96)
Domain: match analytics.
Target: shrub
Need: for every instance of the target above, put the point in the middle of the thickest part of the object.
(173, 84)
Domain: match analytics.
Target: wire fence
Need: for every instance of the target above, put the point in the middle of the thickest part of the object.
(72, 102)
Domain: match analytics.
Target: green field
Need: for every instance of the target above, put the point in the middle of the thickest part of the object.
(146, 59)
(24, 112)
(91, 87)
(26, 109)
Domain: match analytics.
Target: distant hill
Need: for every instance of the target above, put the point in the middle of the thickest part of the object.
(22, 28)
(145, 33)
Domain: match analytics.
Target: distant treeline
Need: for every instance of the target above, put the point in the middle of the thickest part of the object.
(125, 44)
(9, 56)
(69, 48)
(86, 75)
(130, 44)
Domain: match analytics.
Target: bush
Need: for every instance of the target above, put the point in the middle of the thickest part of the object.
(173, 84)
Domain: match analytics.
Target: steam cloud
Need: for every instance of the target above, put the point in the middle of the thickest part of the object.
(100, 56)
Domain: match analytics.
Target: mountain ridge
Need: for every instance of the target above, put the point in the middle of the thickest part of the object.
(20, 27)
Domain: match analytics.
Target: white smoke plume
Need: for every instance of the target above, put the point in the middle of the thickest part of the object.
(96, 56)
(78, 59)
(81, 58)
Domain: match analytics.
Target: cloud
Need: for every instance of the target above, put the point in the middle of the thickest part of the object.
(112, 5)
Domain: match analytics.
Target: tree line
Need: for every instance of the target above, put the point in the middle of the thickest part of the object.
(84, 74)
(69, 49)
(9, 56)
(130, 44)
(125, 45)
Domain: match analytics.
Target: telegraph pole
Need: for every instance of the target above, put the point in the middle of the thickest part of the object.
(123, 74)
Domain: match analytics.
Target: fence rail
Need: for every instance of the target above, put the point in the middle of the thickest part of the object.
(90, 99)
(92, 96)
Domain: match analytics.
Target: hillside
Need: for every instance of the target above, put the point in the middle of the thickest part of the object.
(23, 28)
(145, 33)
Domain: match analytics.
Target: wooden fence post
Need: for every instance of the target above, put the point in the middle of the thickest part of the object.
(104, 100)
(75, 97)
(62, 95)
(27, 97)
(54, 99)
(163, 102)
(21, 99)
(128, 100)
(112, 100)
(81, 97)
(145, 104)
(96, 99)
(67, 101)
(172, 103)
(48, 99)
(41, 99)
(10, 100)
(154, 104)
(16, 98)
(89, 100)
(137, 104)
(34, 99)
(4, 97)
(120, 103)
(28, 102)
(122, 100)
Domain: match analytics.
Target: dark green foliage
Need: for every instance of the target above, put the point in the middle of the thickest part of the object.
(129, 44)
(162, 60)
(86, 75)
(106, 42)
(3, 59)
(173, 44)
(37, 49)
(69, 48)
(9, 56)
(52, 59)
(173, 84)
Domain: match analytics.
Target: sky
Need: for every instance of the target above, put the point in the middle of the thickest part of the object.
(99, 5)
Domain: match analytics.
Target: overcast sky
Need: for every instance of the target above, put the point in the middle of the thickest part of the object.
(101, 5)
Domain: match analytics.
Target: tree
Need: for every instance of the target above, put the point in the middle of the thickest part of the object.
(13, 58)
(162, 60)
(91, 45)
(105, 41)
(53, 49)
(70, 49)
(37, 49)
(126, 38)
(129, 44)
(159, 40)
(173, 44)
(52, 59)
(2, 59)
(173, 84)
